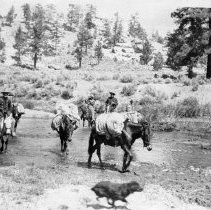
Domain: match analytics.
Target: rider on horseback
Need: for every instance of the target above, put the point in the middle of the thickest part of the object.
(111, 103)
(91, 104)
(6, 112)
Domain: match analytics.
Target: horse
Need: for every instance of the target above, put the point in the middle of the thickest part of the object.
(4, 136)
(65, 130)
(130, 133)
(86, 115)
(16, 114)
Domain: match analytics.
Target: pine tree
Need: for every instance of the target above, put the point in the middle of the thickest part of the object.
(78, 52)
(106, 31)
(191, 39)
(2, 51)
(146, 53)
(37, 39)
(98, 51)
(10, 16)
(19, 46)
(158, 61)
(53, 25)
(156, 37)
(90, 17)
(84, 37)
(73, 17)
(135, 29)
(117, 30)
(27, 15)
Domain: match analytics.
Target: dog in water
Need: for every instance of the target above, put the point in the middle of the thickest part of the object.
(114, 191)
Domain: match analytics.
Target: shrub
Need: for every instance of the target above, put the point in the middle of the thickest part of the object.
(157, 95)
(189, 107)
(126, 79)
(158, 61)
(174, 95)
(32, 94)
(71, 85)
(88, 77)
(59, 80)
(26, 78)
(21, 91)
(146, 100)
(115, 76)
(168, 81)
(66, 94)
(98, 93)
(195, 87)
(27, 104)
(128, 90)
(38, 84)
(2, 82)
(103, 78)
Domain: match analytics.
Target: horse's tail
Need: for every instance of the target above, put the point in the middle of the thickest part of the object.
(91, 140)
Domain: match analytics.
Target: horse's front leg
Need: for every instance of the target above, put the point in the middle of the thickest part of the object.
(124, 160)
(65, 145)
(2, 144)
(90, 154)
(62, 143)
(99, 155)
(127, 153)
(6, 142)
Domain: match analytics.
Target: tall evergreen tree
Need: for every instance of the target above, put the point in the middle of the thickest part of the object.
(20, 44)
(37, 38)
(73, 17)
(106, 31)
(191, 39)
(135, 29)
(90, 17)
(98, 51)
(146, 53)
(2, 51)
(27, 15)
(10, 16)
(53, 32)
(84, 37)
(117, 30)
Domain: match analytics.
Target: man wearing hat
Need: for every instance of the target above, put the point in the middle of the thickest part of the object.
(91, 106)
(6, 110)
(111, 103)
(5, 104)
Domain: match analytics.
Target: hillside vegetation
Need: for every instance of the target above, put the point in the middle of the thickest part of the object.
(78, 54)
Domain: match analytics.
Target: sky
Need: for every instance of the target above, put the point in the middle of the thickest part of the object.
(154, 14)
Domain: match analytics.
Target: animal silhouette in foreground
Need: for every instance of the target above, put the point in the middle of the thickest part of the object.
(114, 191)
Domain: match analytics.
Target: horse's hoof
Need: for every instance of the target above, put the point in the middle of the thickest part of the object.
(89, 165)
(123, 171)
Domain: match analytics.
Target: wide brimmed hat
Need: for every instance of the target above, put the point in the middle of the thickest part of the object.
(112, 93)
(6, 93)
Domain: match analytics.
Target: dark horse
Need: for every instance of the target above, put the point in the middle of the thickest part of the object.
(130, 133)
(86, 115)
(65, 131)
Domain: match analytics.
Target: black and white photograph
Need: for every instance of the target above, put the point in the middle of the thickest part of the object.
(105, 104)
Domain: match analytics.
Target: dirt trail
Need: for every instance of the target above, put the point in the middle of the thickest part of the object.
(35, 175)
